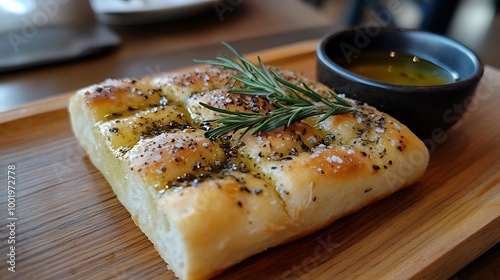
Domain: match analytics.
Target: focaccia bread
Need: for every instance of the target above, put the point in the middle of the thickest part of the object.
(207, 204)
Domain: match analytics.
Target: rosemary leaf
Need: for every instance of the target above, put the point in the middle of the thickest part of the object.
(292, 102)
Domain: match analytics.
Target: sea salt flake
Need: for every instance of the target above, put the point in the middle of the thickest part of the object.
(334, 159)
(178, 145)
(312, 139)
(157, 158)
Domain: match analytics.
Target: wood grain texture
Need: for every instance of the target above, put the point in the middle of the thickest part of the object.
(70, 224)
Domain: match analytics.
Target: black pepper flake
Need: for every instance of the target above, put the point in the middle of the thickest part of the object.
(400, 148)
(390, 162)
(257, 191)
(314, 198)
(368, 190)
(376, 167)
(274, 167)
(364, 154)
(113, 129)
(245, 189)
(240, 204)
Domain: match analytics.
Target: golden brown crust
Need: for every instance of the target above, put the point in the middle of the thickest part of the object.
(208, 204)
(118, 97)
(171, 156)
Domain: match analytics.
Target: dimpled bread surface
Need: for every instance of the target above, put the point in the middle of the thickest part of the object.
(207, 204)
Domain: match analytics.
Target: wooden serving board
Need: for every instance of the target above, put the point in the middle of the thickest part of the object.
(70, 224)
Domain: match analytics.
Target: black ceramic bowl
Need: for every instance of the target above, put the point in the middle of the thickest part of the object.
(426, 110)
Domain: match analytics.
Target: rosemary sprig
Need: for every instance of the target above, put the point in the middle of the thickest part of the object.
(293, 103)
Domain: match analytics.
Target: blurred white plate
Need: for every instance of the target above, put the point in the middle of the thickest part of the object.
(12, 13)
(146, 11)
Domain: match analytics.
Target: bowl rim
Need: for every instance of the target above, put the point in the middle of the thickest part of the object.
(325, 59)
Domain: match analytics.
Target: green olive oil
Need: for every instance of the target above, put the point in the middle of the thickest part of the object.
(399, 69)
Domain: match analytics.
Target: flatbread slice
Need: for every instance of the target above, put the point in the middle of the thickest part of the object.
(208, 204)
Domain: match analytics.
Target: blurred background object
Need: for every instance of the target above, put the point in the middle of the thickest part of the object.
(12, 12)
(17, 13)
(432, 16)
(31, 46)
(146, 11)
(42, 32)
(471, 22)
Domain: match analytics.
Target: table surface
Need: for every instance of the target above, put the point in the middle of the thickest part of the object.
(249, 26)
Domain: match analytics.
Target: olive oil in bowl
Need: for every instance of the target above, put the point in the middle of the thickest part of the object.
(416, 93)
(399, 69)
